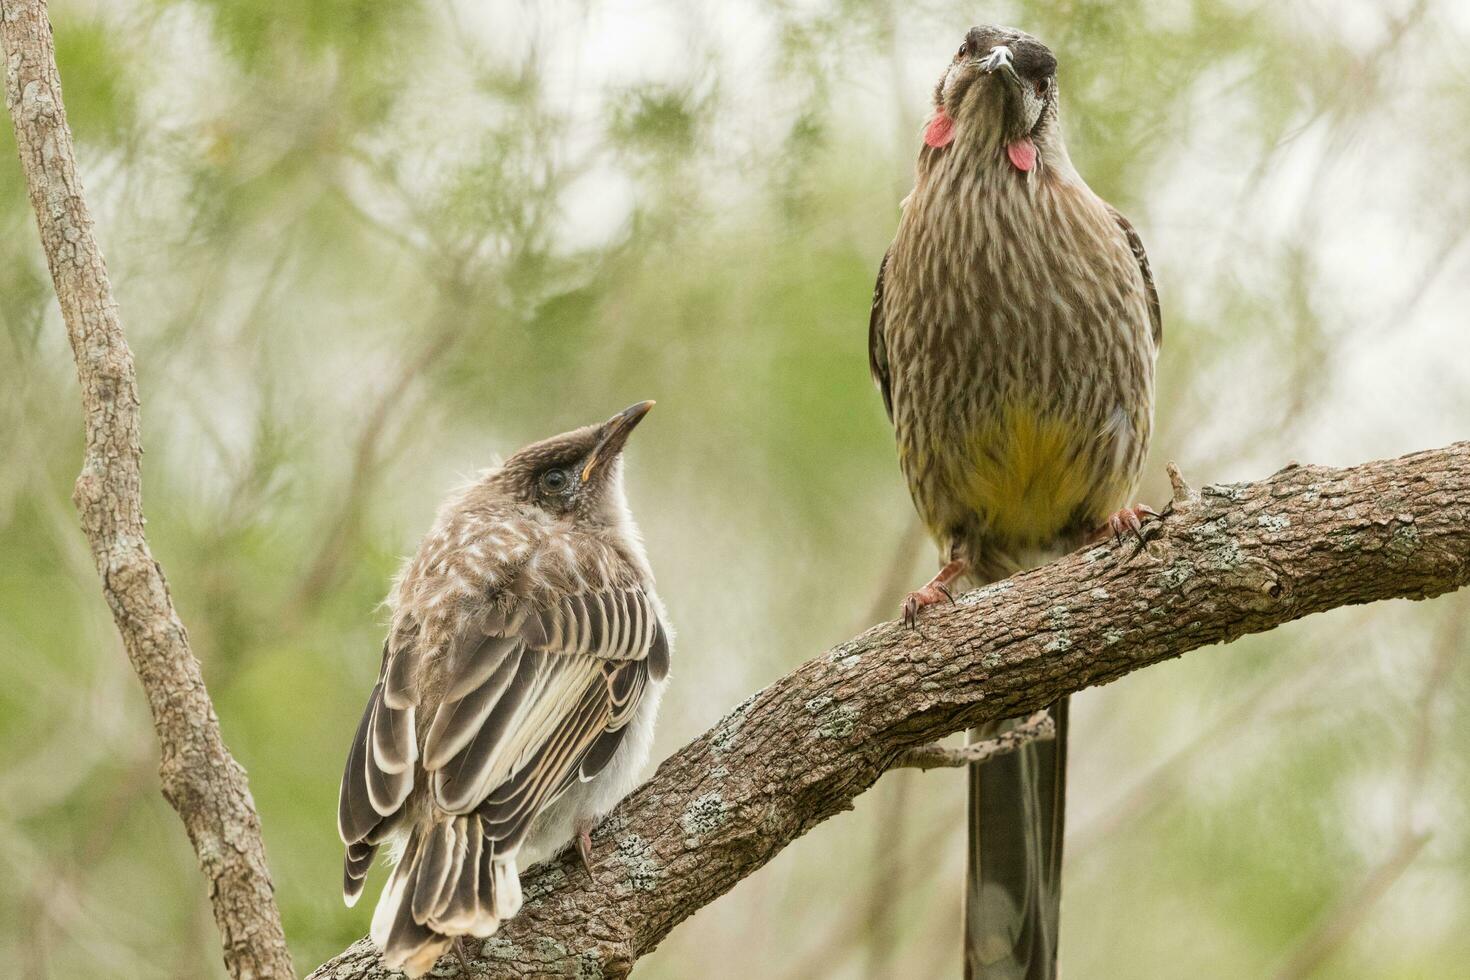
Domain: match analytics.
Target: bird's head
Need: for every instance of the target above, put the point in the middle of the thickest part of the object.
(998, 93)
(577, 475)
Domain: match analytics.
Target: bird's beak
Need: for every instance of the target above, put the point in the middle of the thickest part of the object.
(1001, 58)
(615, 432)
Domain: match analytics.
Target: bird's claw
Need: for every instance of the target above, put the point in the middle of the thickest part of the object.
(584, 848)
(1138, 521)
(929, 595)
(461, 953)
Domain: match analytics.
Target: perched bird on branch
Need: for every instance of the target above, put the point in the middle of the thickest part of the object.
(1013, 336)
(524, 664)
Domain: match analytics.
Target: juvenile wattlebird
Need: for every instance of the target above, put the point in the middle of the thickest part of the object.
(525, 659)
(1013, 336)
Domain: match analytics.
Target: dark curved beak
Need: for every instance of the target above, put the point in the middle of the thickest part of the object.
(615, 432)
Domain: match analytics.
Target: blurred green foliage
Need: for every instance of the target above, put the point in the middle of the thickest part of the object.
(363, 248)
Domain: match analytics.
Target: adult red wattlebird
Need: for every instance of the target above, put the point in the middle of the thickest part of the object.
(526, 656)
(1013, 336)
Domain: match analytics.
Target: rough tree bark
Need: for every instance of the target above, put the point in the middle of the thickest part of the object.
(1232, 560)
(200, 778)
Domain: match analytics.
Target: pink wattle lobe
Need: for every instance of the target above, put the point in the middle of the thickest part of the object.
(1023, 154)
(940, 131)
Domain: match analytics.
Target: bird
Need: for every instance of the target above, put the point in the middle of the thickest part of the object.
(526, 655)
(1013, 336)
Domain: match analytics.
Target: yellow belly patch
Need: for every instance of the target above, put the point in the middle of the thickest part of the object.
(1026, 474)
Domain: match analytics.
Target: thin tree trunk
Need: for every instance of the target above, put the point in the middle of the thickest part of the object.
(200, 778)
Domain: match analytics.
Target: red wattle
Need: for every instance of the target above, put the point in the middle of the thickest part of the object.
(1023, 154)
(940, 131)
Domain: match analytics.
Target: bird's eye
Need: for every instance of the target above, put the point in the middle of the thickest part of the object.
(554, 481)
(1043, 87)
(964, 50)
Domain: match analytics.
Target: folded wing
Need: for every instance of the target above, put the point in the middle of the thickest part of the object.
(380, 766)
(535, 698)
(540, 704)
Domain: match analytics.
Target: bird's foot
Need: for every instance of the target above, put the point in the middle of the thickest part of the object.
(929, 595)
(462, 953)
(584, 846)
(935, 591)
(1138, 522)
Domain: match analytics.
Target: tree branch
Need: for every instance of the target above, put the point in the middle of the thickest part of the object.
(1231, 560)
(1038, 728)
(200, 778)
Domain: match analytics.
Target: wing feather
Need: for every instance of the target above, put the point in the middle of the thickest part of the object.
(509, 811)
(551, 710)
(600, 754)
(637, 620)
(483, 659)
(398, 677)
(1135, 244)
(379, 774)
(616, 625)
(878, 341)
(658, 653)
(355, 866)
(624, 688)
(457, 781)
(588, 625)
(386, 790)
(459, 720)
(356, 815)
(394, 746)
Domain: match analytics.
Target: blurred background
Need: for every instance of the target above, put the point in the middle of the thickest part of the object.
(364, 249)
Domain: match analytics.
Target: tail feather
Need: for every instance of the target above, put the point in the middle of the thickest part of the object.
(1013, 902)
(450, 882)
(439, 866)
(456, 909)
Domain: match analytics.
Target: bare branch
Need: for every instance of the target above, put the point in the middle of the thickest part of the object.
(1184, 495)
(200, 778)
(1241, 558)
(1038, 728)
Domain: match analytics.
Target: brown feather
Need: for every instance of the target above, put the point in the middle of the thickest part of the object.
(460, 720)
(356, 815)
